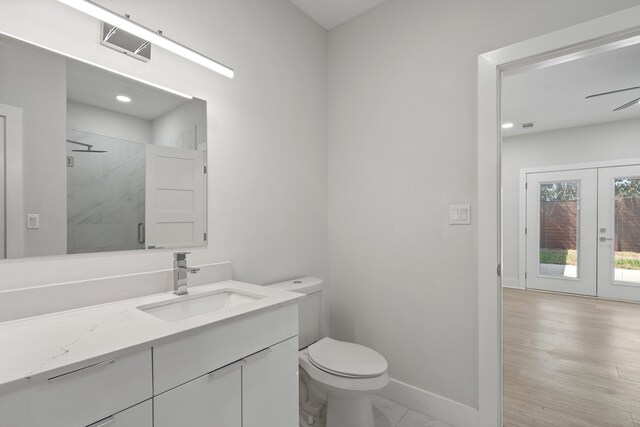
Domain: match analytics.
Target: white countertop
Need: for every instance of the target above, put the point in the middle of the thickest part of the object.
(41, 347)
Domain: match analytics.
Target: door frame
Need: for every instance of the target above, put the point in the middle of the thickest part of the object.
(14, 198)
(522, 195)
(599, 35)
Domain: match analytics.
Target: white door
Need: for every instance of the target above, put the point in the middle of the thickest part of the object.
(214, 399)
(561, 237)
(619, 233)
(175, 199)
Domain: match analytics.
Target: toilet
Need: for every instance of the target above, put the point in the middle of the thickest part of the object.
(337, 378)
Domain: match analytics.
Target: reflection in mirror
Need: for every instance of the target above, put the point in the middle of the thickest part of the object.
(108, 163)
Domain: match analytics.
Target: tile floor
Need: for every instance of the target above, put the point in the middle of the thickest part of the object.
(390, 414)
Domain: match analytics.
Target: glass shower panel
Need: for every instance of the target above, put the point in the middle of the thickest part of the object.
(559, 229)
(105, 193)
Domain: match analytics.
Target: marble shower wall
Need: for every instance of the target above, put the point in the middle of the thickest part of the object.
(105, 194)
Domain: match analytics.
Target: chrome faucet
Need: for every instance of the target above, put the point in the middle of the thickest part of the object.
(180, 271)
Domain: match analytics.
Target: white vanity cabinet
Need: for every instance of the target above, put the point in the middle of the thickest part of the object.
(243, 373)
(260, 390)
(238, 371)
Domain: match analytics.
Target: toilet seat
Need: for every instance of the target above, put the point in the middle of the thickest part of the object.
(346, 359)
(338, 383)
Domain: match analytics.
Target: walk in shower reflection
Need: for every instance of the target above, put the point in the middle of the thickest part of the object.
(105, 194)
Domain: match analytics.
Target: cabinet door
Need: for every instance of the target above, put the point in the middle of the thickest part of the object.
(212, 400)
(138, 416)
(16, 408)
(270, 387)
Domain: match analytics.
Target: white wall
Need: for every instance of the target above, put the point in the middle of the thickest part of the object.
(609, 141)
(266, 130)
(182, 127)
(402, 146)
(36, 82)
(96, 120)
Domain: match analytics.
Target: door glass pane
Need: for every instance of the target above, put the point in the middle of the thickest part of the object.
(626, 241)
(559, 223)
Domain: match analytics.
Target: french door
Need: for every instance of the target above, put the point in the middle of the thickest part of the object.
(561, 224)
(583, 232)
(619, 233)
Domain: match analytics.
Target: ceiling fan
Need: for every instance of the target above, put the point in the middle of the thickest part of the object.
(622, 107)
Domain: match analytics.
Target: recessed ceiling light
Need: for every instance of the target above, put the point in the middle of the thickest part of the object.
(507, 125)
(123, 98)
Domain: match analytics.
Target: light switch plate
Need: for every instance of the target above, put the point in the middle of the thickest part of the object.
(460, 214)
(33, 221)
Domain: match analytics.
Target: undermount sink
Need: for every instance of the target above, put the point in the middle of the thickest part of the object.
(196, 305)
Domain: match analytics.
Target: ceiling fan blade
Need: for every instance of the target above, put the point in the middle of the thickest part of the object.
(612, 92)
(628, 104)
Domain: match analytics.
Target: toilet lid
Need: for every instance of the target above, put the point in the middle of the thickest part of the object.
(346, 359)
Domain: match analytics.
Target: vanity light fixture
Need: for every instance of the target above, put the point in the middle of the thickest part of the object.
(123, 98)
(507, 125)
(156, 38)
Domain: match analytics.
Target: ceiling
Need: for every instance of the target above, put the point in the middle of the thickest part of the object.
(94, 86)
(554, 97)
(331, 13)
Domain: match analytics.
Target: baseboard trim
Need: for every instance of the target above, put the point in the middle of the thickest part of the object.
(447, 410)
(511, 283)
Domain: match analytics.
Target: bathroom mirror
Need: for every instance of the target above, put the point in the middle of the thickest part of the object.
(93, 161)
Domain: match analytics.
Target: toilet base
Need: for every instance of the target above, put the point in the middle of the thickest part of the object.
(349, 412)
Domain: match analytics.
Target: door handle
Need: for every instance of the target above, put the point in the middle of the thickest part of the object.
(259, 355)
(81, 370)
(604, 239)
(141, 233)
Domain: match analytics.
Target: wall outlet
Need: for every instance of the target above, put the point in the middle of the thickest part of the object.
(33, 221)
(459, 214)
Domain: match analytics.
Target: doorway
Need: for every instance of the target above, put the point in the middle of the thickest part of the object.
(582, 231)
(599, 35)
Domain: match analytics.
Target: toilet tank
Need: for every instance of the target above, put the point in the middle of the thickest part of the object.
(309, 308)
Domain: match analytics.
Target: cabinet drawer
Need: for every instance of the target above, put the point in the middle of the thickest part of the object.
(139, 416)
(191, 356)
(214, 399)
(83, 396)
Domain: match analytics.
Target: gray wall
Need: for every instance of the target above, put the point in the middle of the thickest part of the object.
(609, 141)
(36, 82)
(402, 146)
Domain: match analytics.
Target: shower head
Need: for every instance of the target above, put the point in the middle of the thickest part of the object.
(89, 148)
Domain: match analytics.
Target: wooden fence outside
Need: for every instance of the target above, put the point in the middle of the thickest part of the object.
(558, 225)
